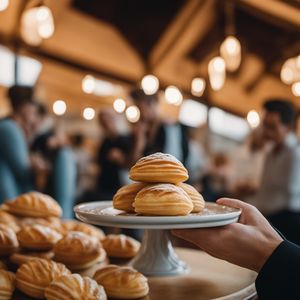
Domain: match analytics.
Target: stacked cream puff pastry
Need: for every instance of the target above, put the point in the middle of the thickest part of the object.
(159, 189)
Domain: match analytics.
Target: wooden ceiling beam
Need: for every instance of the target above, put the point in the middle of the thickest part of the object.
(276, 12)
(14, 43)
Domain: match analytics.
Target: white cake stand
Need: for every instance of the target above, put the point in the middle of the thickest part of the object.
(156, 256)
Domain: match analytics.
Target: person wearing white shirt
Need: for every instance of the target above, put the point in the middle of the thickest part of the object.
(279, 194)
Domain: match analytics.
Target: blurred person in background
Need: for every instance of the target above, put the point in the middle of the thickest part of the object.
(83, 161)
(248, 162)
(57, 176)
(112, 159)
(197, 161)
(112, 156)
(217, 182)
(15, 165)
(279, 194)
(151, 134)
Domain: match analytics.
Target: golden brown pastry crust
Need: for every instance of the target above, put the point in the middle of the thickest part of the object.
(33, 204)
(122, 282)
(51, 222)
(33, 277)
(74, 287)
(125, 196)
(163, 200)
(79, 251)
(7, 285)
(159, 168)
(38, 237)
(72, 225)
(9, 220)
(198, 201)
(120, 245)
(23, 257)
(8, 240)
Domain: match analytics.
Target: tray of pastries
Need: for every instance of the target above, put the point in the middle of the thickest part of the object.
(45, 257)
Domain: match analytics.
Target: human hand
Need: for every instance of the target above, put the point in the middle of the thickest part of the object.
(248, 243)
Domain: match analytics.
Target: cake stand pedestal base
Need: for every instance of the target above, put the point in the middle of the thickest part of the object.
(156, 256)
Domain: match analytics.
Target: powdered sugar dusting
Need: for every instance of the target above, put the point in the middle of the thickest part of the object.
(159, 156)
(167, 187)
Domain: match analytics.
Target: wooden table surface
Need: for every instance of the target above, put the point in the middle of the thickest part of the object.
(208, 278)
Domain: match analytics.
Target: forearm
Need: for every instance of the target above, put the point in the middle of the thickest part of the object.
(278, 278)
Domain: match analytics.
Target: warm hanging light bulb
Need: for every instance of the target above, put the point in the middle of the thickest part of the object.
(29, 31)
(45, 22)
(173, 95)
(4, 5)
(150, 84)
(133, 114)
(296, 89)
(59, 107)
(287, 75)
(88, 113)
(37, 23)
(230, 51)
(88, 84)
(216, 73)
(119, 105)
(198, 87)
(253, 118)
(290, 71)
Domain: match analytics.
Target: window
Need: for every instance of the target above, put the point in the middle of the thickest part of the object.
(228, 125)
(28, 69)
(193, 113)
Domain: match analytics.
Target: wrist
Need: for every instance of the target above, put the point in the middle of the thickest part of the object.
(266, 253)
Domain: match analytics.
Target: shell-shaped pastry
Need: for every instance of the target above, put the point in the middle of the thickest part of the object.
(157, 168)
(33, 204)
(120, 245)
(52, 222)
(163, 200)
(34, 276)
(72, 225)
(75, 287)
(8, 240)
(125, 196)
(7, 285)
(78, 251)
(198, 201)
(23, 257)
(38, 237)
(122, 282)
(9, 220)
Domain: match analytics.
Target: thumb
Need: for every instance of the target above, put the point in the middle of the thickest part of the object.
(249, 215)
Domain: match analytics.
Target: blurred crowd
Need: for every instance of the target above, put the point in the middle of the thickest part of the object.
(264, 170)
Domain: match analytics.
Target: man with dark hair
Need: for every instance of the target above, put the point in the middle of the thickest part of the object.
(279, 194)
(112, 155)
(151, 135)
